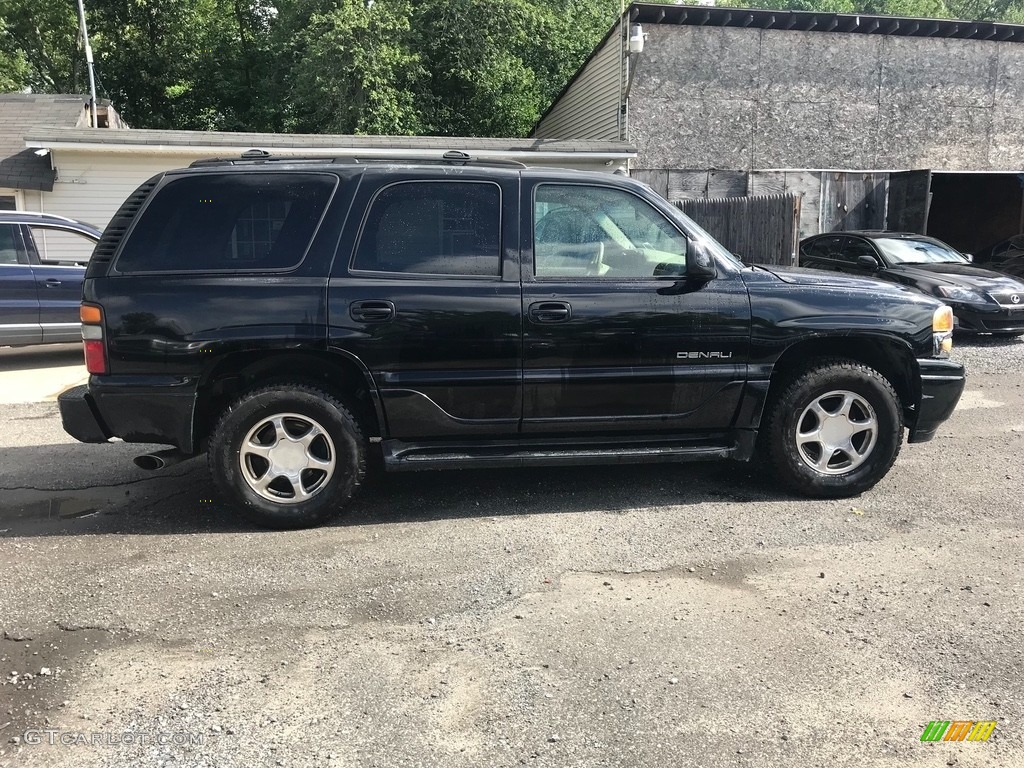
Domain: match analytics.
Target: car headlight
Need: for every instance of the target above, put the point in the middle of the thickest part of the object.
(942, 331)
(957, 293)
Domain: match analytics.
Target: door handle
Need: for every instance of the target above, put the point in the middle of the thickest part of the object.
(550, 311)
(372, 311)
(52, 282)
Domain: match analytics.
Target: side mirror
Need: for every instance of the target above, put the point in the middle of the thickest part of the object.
(870, 263)
(969, 256)
(699, 264)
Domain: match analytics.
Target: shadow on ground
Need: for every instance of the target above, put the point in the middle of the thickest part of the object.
(92, 498)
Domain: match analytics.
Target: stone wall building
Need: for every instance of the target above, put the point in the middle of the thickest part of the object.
(872, 121)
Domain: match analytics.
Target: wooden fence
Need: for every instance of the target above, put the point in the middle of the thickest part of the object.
(761, 229)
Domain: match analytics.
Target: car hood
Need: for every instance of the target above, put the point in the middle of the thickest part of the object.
(820, 277)
(965, 275)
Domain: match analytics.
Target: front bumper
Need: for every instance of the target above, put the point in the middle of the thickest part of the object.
(1002, 320)
(137, 409)
(942, 383)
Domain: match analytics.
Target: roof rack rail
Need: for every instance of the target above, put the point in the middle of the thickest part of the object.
(451, 157)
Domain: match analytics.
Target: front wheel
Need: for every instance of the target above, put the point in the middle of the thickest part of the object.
(833, 430)
(287, 455)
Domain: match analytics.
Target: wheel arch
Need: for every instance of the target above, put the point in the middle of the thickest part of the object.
(336, 372)
(892, 358)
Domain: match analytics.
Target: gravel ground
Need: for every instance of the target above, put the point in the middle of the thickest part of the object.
(982, 355)
(628, 616)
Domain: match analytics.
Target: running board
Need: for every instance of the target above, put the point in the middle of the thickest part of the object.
(401, 456)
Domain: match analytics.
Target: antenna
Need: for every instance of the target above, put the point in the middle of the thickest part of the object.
(88, 60)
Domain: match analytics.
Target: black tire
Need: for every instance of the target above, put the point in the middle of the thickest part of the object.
(285, 416)
(845, 471)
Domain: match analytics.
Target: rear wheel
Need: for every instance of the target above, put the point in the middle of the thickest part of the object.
(833, 430)
(287, 456)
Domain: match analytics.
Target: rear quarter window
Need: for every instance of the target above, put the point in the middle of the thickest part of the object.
(228, 222)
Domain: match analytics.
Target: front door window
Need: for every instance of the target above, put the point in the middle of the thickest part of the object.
(588, 231)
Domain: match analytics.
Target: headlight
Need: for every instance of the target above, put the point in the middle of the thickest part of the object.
(942, 332)
(961, 294)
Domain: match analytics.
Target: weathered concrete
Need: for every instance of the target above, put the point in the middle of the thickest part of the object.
(40, 373)
(756, 99)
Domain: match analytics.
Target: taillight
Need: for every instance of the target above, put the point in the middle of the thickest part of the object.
(92, 337)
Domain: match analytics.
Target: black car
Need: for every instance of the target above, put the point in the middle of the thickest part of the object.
(296, 319)
(983, 301)
(42, 266)
(1006, 257)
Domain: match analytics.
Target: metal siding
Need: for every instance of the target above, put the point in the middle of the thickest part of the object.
(589, 109)
(92, 186)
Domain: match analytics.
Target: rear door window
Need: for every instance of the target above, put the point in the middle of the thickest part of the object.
(10, 245)
(823, 248)
(218, 222)
(433, 228)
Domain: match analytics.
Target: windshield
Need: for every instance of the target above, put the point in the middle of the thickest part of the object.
(906, 251)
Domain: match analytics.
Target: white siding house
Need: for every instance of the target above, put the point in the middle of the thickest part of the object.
(97, 169)
(591, 106)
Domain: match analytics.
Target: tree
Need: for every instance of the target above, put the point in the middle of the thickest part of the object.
(183, 63)
(351, 68)
(39, 46)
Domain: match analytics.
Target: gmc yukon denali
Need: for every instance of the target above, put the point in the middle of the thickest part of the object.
(297, 319)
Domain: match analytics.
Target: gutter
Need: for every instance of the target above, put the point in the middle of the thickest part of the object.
(383, 152)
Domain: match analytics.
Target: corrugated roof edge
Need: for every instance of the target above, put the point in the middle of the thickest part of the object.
(815, 21)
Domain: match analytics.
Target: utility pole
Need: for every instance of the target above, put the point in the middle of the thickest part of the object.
(88, 60)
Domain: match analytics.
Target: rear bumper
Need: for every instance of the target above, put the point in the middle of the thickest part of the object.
(80, 418)
(137, 409)
(942, 383)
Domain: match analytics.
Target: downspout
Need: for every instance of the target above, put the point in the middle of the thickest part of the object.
(88, 61)
(633, 37)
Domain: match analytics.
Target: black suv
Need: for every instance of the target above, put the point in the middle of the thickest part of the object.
(296, 319)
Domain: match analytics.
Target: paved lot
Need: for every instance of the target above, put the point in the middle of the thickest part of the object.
(636, 616)
(39, 374)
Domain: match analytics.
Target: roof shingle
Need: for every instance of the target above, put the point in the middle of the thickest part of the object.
(21, 168)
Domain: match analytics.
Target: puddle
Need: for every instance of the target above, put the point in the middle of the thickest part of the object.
(21, 510)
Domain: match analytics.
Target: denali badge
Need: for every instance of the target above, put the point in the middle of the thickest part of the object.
(703, 355)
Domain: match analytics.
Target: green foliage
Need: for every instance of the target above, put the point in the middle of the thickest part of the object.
(38, 42)
(352, 68)
(14, 69)
(443, 67)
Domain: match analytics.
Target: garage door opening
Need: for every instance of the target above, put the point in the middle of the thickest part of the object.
(973, 211)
